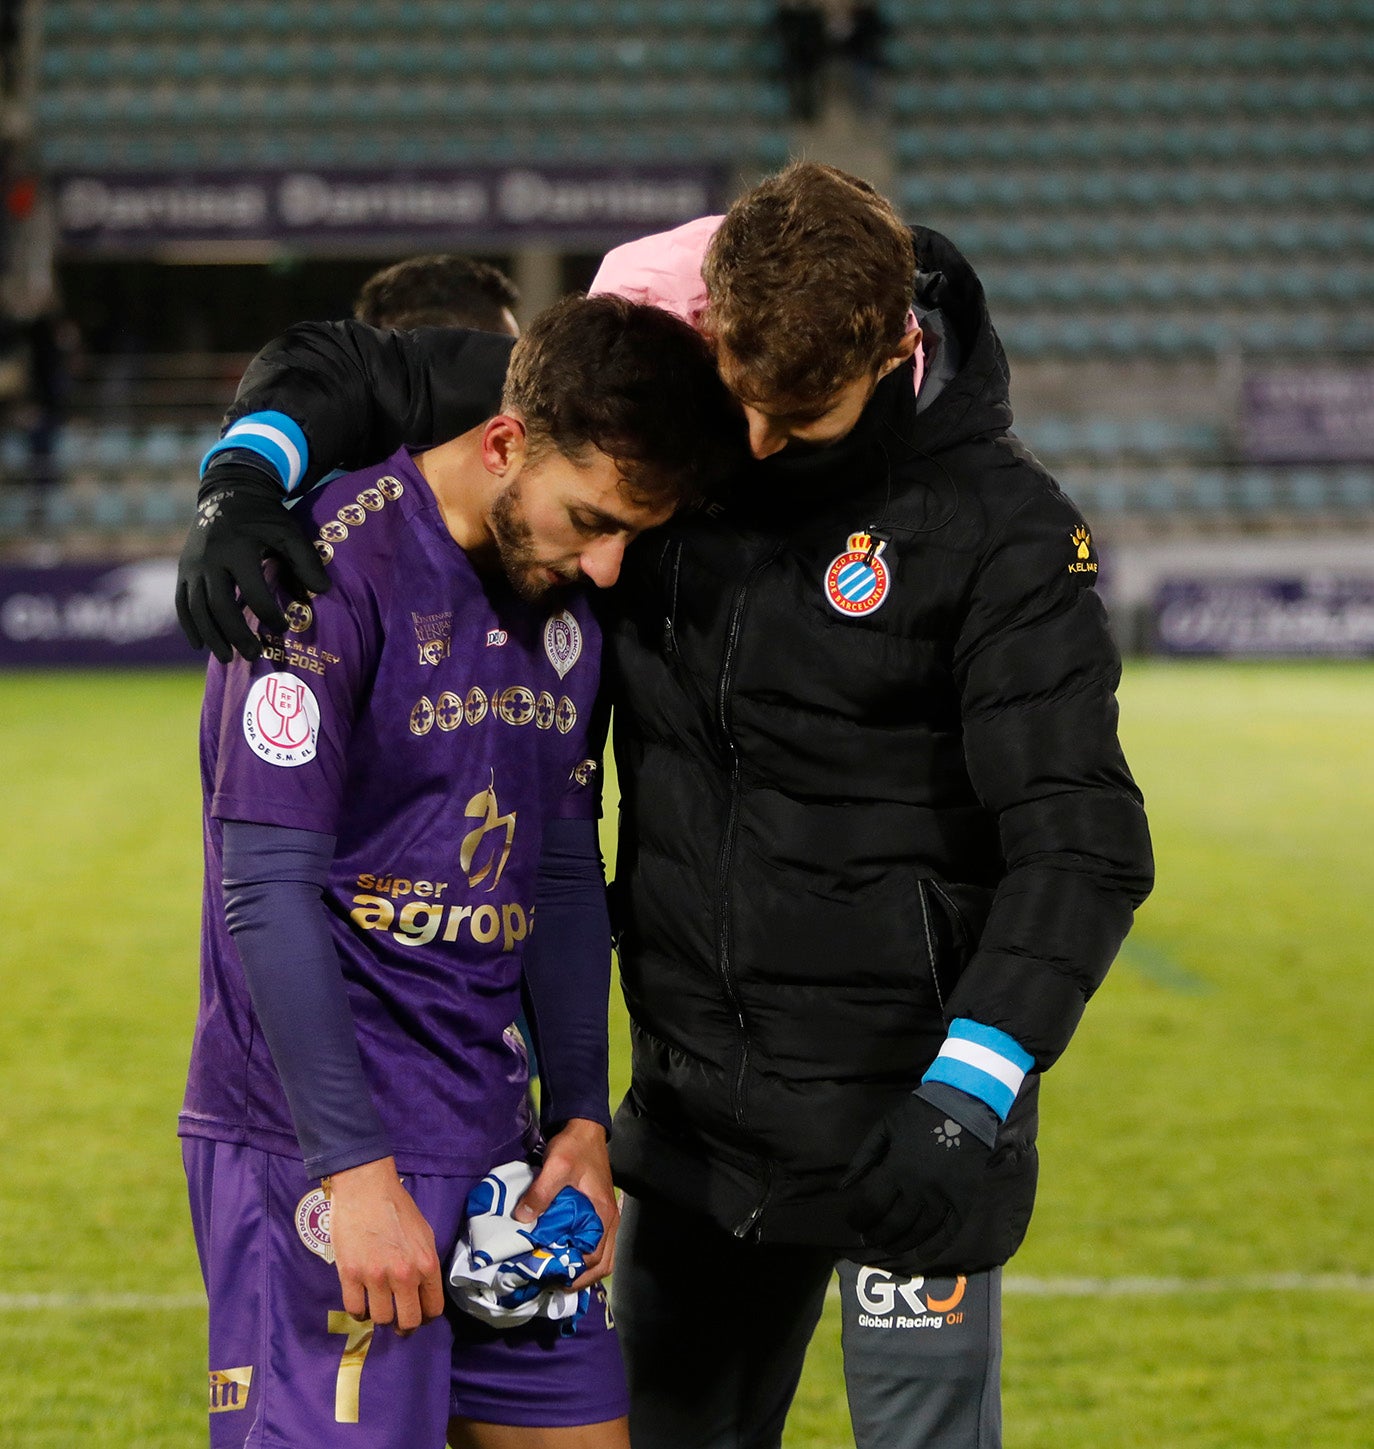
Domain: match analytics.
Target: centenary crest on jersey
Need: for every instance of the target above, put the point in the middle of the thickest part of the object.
(312, 1224)
(857, 580)
(563, 642)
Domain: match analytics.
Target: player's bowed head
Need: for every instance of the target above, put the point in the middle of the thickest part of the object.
(613, 418)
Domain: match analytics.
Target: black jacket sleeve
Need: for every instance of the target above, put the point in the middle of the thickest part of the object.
(359, 393)
(1037, 671)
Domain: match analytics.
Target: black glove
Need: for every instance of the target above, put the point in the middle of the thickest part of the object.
(931, 1196)
(240, 517)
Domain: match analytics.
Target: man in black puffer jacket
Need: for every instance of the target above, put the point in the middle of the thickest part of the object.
(878, 841)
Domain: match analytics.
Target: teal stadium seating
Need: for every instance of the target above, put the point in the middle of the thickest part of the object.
(1167, 181)
(1145, 176)
(162, 82)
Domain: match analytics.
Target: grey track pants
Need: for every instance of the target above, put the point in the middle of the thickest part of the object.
(715, 1330)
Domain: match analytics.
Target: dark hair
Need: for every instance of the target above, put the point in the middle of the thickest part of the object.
(809, 281)
(633, 381)
(438, 291)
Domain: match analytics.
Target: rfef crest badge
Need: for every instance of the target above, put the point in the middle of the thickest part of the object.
(857, 581)
(281, 720)
(563, 642)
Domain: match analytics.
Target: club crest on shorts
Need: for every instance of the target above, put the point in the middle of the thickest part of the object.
(281, 720)
(563, 642)
(857, 581)
(312, 1224)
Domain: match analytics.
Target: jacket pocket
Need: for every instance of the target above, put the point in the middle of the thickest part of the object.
(926, 890)
(950, 934)
(958, 915)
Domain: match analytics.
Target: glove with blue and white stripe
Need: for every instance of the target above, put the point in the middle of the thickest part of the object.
(240, 517)
(932, 1190)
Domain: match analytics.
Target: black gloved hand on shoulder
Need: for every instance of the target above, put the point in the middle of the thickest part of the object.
(240, 518)
(932, 1192)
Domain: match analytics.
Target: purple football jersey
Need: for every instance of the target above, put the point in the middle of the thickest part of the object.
(432, 722)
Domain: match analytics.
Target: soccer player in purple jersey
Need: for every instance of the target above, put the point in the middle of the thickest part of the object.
(390, 790)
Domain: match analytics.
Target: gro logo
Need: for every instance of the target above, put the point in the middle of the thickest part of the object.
(878, 1290)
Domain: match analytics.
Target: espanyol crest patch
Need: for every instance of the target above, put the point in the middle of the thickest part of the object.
(857, 581)
(563, 642)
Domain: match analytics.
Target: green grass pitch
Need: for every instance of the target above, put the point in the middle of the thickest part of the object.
(1209, 1131)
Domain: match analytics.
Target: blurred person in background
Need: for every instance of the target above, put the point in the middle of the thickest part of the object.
(52, 344)
(878, 841)
(41, 345)
(342, 1039)
(858, 41)
(11, 44)
(799, 29)
(445, 290)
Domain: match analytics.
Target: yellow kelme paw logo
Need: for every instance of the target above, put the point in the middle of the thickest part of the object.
(1081, 540)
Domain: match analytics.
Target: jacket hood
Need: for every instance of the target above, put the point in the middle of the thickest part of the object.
(965, 393)
(949, 297)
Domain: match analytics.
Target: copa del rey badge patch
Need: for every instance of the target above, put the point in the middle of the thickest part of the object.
(281, 720)
(858, 581)
(563, 642)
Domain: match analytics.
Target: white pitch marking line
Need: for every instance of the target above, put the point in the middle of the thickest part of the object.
(100, 1302)
(1126, 1287)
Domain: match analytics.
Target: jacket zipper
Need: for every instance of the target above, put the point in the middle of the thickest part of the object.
(727, 847)
(669, 629)
(750, 1224)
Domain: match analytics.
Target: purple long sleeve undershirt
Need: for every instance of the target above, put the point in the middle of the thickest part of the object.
(274, 879)
(567, 976)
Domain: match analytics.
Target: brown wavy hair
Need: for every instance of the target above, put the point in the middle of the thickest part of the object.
(809, 281)
(635, 382)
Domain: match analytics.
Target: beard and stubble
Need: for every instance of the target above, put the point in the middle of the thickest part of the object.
(529, 576)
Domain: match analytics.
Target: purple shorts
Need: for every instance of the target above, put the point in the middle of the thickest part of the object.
(289, 1369)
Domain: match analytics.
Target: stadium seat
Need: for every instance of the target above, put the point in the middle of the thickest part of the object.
(1354, 490)
(1168, 176)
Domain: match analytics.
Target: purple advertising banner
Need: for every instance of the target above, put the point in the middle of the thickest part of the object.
(92, 614)
(129, 211)
(1265, 617)
(1312, 415)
